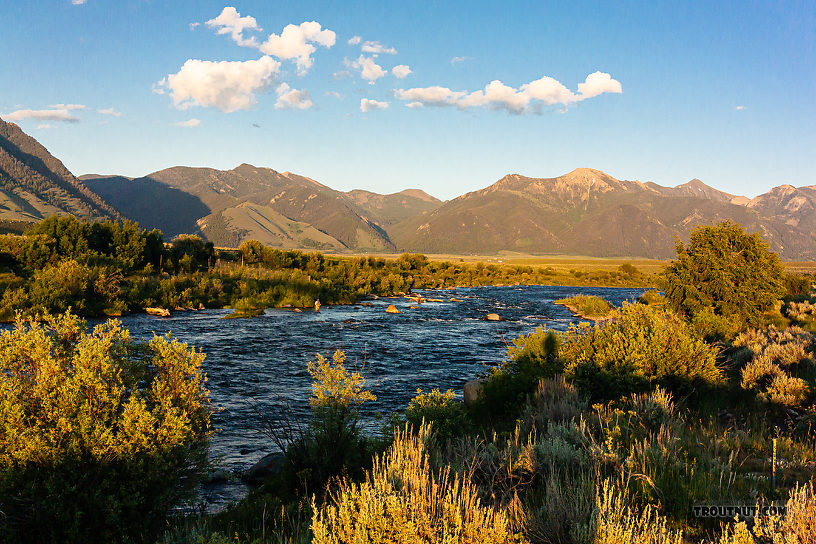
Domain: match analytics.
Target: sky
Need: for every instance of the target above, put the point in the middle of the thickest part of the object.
(447, 96)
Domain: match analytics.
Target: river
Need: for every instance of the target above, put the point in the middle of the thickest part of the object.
(255, 366)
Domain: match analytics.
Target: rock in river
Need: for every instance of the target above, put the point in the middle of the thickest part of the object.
(493, 317)
(392, 310)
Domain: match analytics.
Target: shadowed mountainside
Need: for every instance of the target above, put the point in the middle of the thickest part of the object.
(34, 184)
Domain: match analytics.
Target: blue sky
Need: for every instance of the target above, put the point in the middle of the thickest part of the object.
(654, 91)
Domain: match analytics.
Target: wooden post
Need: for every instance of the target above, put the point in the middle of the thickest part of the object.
(773, 468)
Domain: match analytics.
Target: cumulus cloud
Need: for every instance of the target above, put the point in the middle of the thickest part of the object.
(354, 40)
(226, 85)
(377, 48)
(78, 2)
(190, 123)
(110, 111)
(739, 108)
(527, 98)
(598, 83)
(367, 105)
(56, 114)
(230, 22)
(289, 98)
(296, 43)
(193, 26)
(401, 71)
(369, 70)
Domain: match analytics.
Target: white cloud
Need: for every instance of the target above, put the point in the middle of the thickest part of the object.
(367, 105)
(344, 74)
(527, 98)
(414, 105)
(432, 96)
(454, 60)
(110, 111)
(226, 85)
(68, 107)
(598, 83)
(401, 71)
(78, 2)
(295, 42)
(354, 40)
(60, 114)
(369, 70)
(377, 48)
(230, 22)
(190, 123)
(739, 108)
(193, 26)
(548, 90)
(289, 98)
(335, 94)
(44, 126)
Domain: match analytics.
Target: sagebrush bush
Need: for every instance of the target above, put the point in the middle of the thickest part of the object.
(404, 501)
(99, 437)
(641, 346)
(617, 523)
(779, 362)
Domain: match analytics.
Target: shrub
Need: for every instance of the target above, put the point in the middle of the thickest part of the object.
(724, 270)
(404, 500)
(778, 361)
(795, 527)
(587, 305)
(641, 346)
(616, 523)
(99, 437)
(442, 409)
(507, 385)
(332, 444)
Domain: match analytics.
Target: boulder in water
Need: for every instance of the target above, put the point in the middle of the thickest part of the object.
(267, 466)
(392, 310)
(159, 312)
(493, 317)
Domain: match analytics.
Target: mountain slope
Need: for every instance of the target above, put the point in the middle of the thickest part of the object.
(386, 210)
(588, 212)
(34, 184)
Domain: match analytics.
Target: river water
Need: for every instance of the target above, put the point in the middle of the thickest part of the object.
(255, 366)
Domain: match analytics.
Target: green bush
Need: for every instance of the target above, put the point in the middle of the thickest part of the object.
(442, 409)
(587, 305)
(508, 384)
(725, 271)
(99, 438)
(641, 346)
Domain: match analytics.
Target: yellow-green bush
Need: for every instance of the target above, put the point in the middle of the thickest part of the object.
(641, 345)
(99, 437)
(404, 501)
(616, 523)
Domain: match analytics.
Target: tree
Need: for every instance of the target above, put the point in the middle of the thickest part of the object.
(724, 279)
(99, 437)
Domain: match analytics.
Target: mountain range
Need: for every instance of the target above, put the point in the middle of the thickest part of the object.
(584, 212)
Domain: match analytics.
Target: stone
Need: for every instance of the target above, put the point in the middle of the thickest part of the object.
(493, 317)
(159, 312)
(472, 391)
(267, 466)
(392, 310)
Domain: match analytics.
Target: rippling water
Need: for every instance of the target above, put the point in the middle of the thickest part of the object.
(255, 365)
